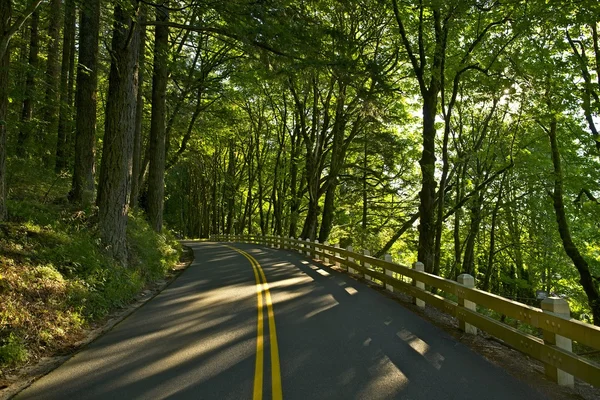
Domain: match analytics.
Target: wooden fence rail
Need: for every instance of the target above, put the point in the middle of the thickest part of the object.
(553, 319)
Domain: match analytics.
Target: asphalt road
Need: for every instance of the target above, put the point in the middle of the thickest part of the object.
(335, 339)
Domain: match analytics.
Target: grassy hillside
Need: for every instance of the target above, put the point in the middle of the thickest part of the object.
(54, 276)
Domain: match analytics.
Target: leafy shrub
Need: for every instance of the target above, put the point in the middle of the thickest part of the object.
(54, 276)
(12, 350)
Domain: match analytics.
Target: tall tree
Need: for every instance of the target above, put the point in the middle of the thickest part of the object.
(82, 188)
(429, 76)
(66, 78)
(52, 79)
(156, 173)
(115, 169)
(27, 111)
(8, 28)
(136, 177)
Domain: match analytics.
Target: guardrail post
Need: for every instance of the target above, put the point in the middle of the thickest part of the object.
(367, 265)
(308, 247)
(294, 246)
(419, 266)
(325, 258)
(337, 263)
(388, 258)
(560, 308)
(315, 250)
(467, 281)
(350, 259)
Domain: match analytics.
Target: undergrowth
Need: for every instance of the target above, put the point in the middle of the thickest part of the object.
(54, 277)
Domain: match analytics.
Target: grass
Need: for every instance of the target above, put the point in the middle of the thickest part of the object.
(54, 278)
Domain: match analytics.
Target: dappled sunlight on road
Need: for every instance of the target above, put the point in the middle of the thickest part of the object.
(324, 303)
(384, 378)
(342, 339)
(337, 338)
(418, 345)
(350, 290)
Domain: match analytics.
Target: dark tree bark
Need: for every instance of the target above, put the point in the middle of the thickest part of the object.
(139, 116)
(339, 148)
(52, 97)
(259, 169)
(7, 31)
(64, 119)
(294, 195)
(156, 174)
(315, 137)
(426, 248)
(365, 197)
(590, 287)
(27, 111)
(231, 188)
(82, 188)
(115, 170)
(468, 266)
(5, 15)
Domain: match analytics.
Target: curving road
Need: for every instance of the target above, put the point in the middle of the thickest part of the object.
(247, 322)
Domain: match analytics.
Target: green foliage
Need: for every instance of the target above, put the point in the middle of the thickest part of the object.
(54, 277)
(12, 350)
(152, 254)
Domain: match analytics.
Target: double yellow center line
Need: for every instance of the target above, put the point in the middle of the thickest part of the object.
(262, 289)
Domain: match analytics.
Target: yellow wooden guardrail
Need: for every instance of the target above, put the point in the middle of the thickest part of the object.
(558, 328)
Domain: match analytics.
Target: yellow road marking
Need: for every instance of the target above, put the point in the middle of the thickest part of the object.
(259, 365)
(263, 287)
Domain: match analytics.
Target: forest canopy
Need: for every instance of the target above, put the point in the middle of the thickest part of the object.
(460, 133)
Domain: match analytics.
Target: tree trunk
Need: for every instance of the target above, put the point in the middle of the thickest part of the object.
(365, 197)
(460, 180)
(27, 111)
(52, 98)
(156, 174)
(5, 15)
(338, 156)
(492, 250)
(469, 257)
(115, 170)
(64, 119)
(230, 188)
(215, 188)
(139, 116)
(309, 230)
(587, 281)
(328, 212)
(426, 247)
(294, 192)
(82, 191)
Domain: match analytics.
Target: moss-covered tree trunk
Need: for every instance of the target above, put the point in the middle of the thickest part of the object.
(156, 173)
(27, 110)
(7, 31)
(64, 119)
(5, 14)
(426, 247)
(52, 97)
(82, 191)
(139, 115)
(115, 169)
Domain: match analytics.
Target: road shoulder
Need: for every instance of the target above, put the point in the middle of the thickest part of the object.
(24, 377)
